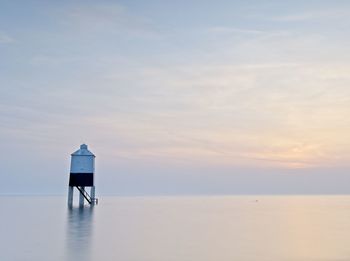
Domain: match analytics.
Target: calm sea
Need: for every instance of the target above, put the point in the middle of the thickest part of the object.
(222, 228)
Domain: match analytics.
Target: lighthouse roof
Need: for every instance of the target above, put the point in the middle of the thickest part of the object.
(83, 151)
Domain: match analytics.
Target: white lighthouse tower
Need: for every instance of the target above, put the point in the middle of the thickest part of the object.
(82, 170)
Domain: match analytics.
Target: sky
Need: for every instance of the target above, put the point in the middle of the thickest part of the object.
(176, 97)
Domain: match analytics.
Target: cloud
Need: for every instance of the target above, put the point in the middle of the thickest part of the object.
(270, 98)
(263, 114)
(5, 38)
(312, 15)
(233, 30)
(108, 18)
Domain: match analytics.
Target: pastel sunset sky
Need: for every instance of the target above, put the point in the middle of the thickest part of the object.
(176, 97)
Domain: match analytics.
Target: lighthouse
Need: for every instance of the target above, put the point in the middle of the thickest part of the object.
(82, 170)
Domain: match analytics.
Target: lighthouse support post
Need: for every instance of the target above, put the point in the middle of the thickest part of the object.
(70, 196)
(92, 194)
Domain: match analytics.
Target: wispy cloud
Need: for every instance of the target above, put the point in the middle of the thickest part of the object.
(289, 113)
(312, 15)
(271, 97)
(229, 30)
(110, 18)
(5, 38)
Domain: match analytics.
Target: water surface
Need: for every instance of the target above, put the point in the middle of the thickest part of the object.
(177, 228)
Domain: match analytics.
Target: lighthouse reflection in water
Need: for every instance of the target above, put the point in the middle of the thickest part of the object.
(79, 233)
